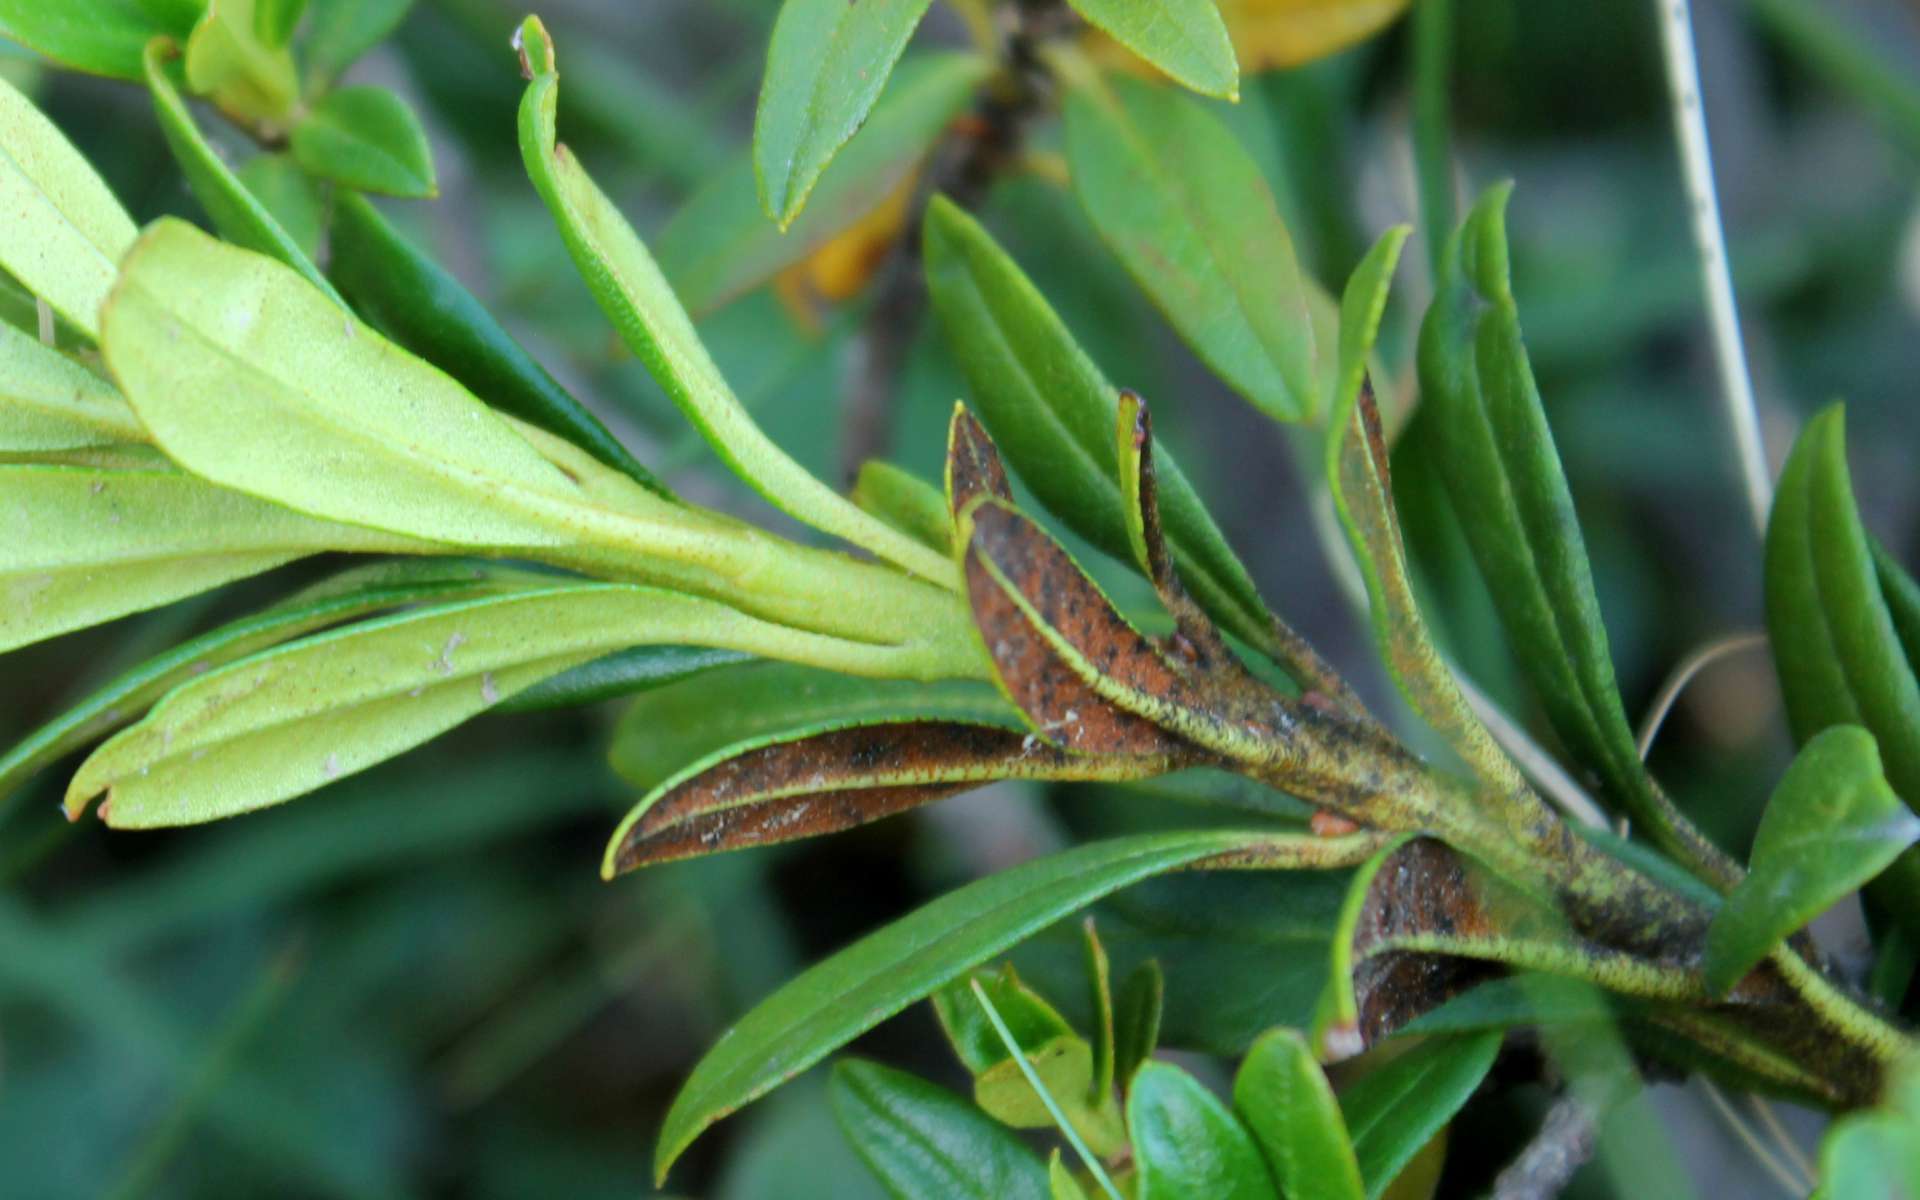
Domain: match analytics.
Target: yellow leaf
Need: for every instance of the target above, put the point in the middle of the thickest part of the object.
(1274, 34)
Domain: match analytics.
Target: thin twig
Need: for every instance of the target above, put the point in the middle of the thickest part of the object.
(1681, 676)
(1782, 1138)
(1566, 1140)
(1696, 159)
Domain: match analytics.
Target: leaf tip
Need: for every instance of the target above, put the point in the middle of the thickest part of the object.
(534, 46)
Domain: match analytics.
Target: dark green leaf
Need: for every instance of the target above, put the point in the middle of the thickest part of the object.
(1177, 198)
(1284, 1098)
(397, 287)
(290, 195)
(238, 216)
(623, 673)
(1398, 1109)
(105, 37)
(1100, 985)
(366, 137)
(1516, 1000)
(1028, 1016)
(925, 1143)
(1184, 38)
(836, 1000)
(1503, 474)
(721, 244)
(343, 30)
(1137, 1019)
(1187, 1144)
(827, 63)
(1053, 413)
(1832, 824)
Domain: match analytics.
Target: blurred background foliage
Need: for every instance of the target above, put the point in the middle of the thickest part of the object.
(414, 983)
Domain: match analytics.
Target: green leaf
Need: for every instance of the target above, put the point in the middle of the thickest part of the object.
(105, 37)
(290, 195)
(228, 60)
(236, 213)
(1177, 198)
(835, 1001)
(342, 30)
(368, 138)
(1876, 1153)
(1100, 993)
(79, 547)
(906, 502)
(1186, 1143)
(823, 779)
(1052, 412)
(353, 594)
(275, 20)
(1503, 474)
(660, 733)
(924, 1142)
(1136, 1020)
(1061, 1182)
(64, 233)
(826, 65)
(637, 299)
(400, 289)
(1065, 1070)
(294, 718)
(1284, 1098)
(1831, 825)
(1028, 1016)
(50, 402)
(720, 244)
(1399, 1108)
(1831, 621)
(622, 673)
(1185, 38)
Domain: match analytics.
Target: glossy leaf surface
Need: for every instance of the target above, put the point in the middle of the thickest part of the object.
(1184, 38)
(1832, 824)
(924, 1141)
(367, 138)
(1185, 208)
(105, 37)
(1399, 1108)
(64, 233)
(838, 999)
(1283, 1096)
(1187, 1143)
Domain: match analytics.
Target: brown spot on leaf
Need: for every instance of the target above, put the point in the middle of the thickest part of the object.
(974, 468)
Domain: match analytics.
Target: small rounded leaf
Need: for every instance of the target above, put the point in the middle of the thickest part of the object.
(366, 137)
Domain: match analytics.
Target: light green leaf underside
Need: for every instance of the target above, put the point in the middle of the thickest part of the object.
(63, 233)
(1185, 38)
(826, 65)
(636, 298)
(50, 402)
(292, 719)
(80, 546)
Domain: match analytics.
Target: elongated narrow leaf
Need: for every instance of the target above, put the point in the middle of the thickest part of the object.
(660, 733)
(81, 546)
(64, 232)
(397, 287)
(1100, 995)
(1359, 477)
(229, 61)
(1053, 413)
(342, 30)
(105, 37)
(292, 719)
(1398, 1109)
(1184, 38)
(904, 501)
(924, 1141)
(816, 781)
(1838, 649)
(622, 673)
(721, 243)
(1182, 204)
(50, 402)
(355, 594)
(366, 137)
(836, 1000)
(1187, 1143)
(236, 212)
(1832, 824)
(1136, 1019)
(637, 299)
(1284, 1098)
(827, 63)
(1503, 473)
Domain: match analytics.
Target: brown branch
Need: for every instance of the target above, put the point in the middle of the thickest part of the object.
(1564, 1144)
